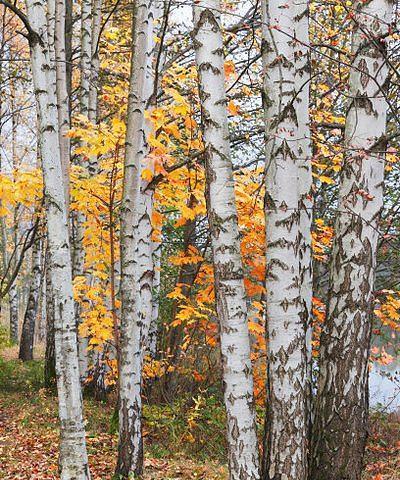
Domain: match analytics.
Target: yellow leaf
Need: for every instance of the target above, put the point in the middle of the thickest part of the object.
(232, 108)
(229, 68)
(147, 174)
(325, 179)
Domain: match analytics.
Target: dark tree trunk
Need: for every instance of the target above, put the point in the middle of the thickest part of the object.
(50, 360)
(28, 327)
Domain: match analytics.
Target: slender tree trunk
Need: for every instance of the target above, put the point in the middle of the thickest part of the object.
(50, 354)
(28, 326)
(94, 64)
(68, 44)
(13, 305)
(341, 412)
(152, 336)
(150, 250)
(41, 330)
(132, 329)
(79, 217)
(73, 456)
(86, 55)
(62, 91)
(13, 294)
(287, 238)
(306, 201)
(89, 69)
(225, 240)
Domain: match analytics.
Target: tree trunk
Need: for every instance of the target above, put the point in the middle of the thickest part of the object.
(287, 239)
(94, 65)
(79, 217)
(13, 305)
(68, 44)
(86, 55)
(133, 329)
(28, 327)
(306, 200)
(50, 355)
(341, 412)
(152, 336)
(73, 456)
(63, 106)
(228, 271)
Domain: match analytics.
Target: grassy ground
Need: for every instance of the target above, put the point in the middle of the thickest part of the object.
(182, 441)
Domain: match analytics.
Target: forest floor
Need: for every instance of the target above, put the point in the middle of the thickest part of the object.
(177, 446)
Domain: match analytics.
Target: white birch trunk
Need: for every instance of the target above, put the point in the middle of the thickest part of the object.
(84, 100)
(149, 250)
(86, 55)
(133, 220)
(228, 271)
(95, 61)
(145, 243)
(62, 92)
(341, 412)
(287, 239)
(301, 104)
(73, 456)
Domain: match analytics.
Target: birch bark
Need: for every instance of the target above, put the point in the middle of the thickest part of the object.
(285, 66)
(94, 67)
(228, 271)
(73, 456)
(340, 428)
(63, 106)
(86, 55)
(306, 201)
(132, 328)
(79, 217)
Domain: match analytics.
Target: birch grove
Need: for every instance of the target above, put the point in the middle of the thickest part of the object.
(199, 239)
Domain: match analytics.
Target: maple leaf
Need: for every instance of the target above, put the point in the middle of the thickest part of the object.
(232, 108)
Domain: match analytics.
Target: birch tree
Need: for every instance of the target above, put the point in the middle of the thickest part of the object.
(228, 271)
(56, 33)
(73, 456)
(79, 217)
(94, 68)
(88, 91)
(306, 200)
(287, 213)
(134, 231)
(63, 102)
(341, 411)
